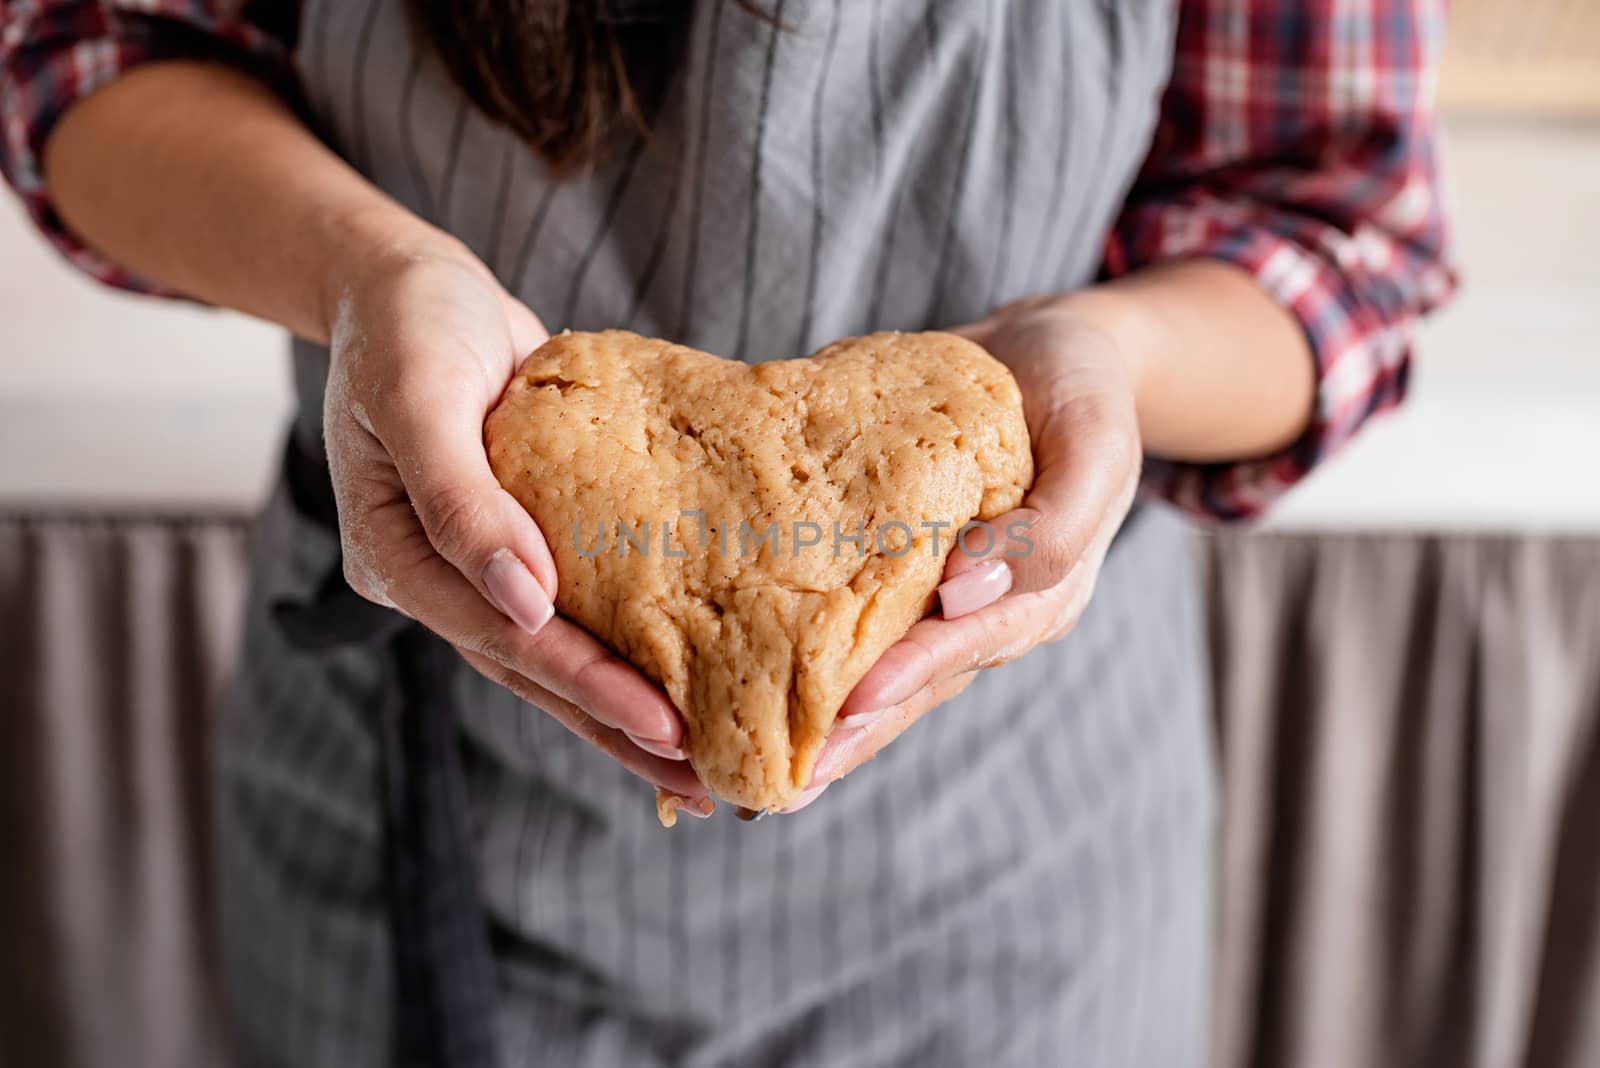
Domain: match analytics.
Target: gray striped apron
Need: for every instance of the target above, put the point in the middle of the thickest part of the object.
(1024, 878)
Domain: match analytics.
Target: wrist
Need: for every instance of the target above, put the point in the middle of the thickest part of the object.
(1123, 326)
(1117, 331)
(1222, 370)
(370, 242)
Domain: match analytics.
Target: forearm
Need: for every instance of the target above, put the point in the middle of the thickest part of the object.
(202, 180)
(1221, 371)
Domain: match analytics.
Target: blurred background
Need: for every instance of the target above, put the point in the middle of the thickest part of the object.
(1407, 655)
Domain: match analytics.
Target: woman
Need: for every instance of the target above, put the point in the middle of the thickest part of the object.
(1196, 231)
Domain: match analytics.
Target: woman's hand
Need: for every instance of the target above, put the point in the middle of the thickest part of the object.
(1035, 579)
(424, 340)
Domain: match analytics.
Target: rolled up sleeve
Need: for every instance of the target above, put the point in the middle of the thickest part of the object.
(54, 53)
(1297, 141)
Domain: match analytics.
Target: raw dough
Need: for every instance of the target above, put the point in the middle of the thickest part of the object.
(757, 640)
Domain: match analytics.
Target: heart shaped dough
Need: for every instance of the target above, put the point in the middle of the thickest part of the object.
(678, 492)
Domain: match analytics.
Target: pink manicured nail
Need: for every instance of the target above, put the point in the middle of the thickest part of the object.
(811, 794)
(516, 592)
(864, 719)
(976, 588)
(699, 808)
(660, 749)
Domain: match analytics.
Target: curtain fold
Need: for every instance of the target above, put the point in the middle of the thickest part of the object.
(1410, 731)
(117, 633)
(1410, 751)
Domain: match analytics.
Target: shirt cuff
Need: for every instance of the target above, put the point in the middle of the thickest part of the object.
(51, 60)
(1357, 297)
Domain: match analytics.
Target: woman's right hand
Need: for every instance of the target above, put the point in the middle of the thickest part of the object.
(424, 340)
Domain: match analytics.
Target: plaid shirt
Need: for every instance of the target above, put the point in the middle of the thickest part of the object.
(1296, 141)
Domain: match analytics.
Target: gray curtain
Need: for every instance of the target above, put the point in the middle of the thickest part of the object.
(116, 635)
(1410, 736)
(1411, 855)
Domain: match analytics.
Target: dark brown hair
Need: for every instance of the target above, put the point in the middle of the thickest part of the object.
(565, 75)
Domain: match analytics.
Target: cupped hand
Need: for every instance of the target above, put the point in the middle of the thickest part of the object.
(1034, 578)
(423, 343)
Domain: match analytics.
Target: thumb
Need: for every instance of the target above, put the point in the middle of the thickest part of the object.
(470, 520)
(1086, 469)
(527, 331)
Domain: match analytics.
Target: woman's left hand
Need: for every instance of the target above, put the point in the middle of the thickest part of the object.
(1078, 393)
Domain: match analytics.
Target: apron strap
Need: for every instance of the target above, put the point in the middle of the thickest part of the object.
(444, 969)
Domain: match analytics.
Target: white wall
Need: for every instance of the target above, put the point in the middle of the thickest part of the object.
(112, 399)
(106, 398)
(1503, 425)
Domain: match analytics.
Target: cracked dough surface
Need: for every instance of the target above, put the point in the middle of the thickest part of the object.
(757, 641)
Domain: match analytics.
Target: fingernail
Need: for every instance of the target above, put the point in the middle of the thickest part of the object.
(516, 592)
(858, 720)
(976, 588)
(660, 749)
(810, 794)
(700, 809)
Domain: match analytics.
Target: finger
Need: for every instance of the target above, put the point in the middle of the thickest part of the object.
(527, 332)
(432, 426)
(846, 749)
(564, 659)
(982, 330)
(673, 775)
(1087, 460)
(394, 561)
(936, 649)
